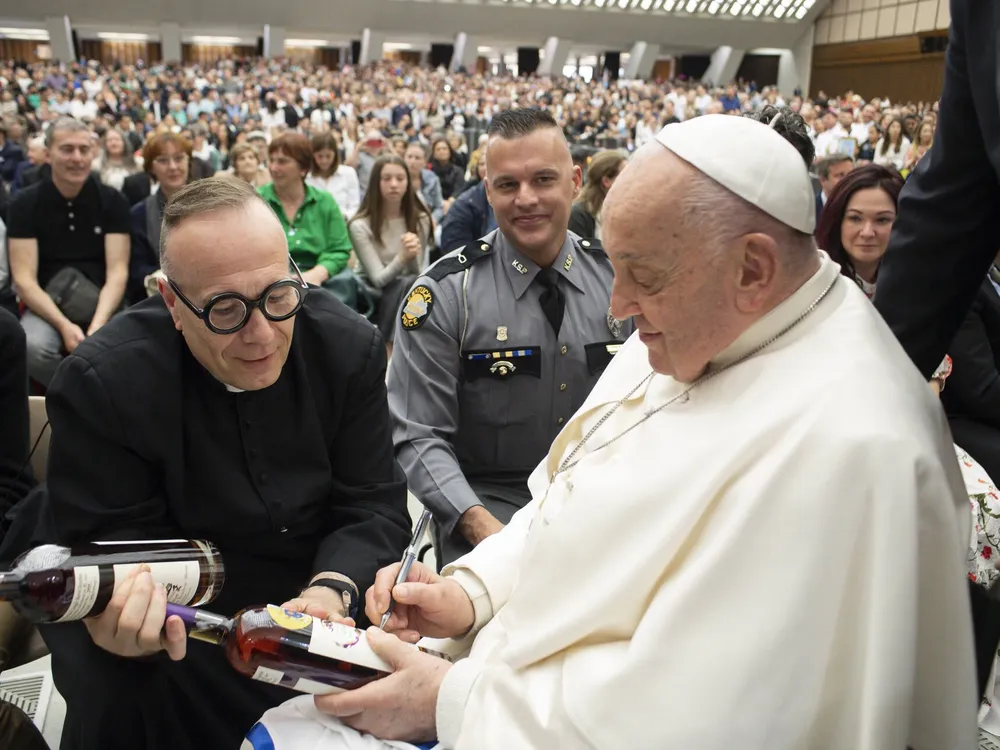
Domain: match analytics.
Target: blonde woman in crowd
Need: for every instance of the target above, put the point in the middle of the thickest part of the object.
(585, 217)
(925, 137)
(116, 162)
(245, 165)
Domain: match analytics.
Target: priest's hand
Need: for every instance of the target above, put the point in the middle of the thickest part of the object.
(133, 622)
(321, 602)
(426, 605)
(401, 706)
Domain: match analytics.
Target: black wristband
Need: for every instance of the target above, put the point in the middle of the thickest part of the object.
(347, 592)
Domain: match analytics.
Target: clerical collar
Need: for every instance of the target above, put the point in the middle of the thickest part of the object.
(779, 318)
(233, 388)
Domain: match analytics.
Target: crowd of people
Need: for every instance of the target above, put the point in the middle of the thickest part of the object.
(504, 238)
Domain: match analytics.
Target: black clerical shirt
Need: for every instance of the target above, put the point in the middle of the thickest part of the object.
(288, 481)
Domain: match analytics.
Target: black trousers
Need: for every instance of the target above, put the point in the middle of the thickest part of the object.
(500, 500)
(113, 703)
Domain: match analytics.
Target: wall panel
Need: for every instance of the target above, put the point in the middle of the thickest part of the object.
(892, 67)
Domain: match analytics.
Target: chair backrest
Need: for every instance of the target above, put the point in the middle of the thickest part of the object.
(38, 428)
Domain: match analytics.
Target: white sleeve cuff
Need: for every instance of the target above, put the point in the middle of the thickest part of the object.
(482, 606)
(452, 697)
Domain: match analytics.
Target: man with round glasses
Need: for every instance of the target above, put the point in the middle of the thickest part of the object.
(236, 406)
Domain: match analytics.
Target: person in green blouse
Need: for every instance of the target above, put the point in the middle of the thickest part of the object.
(314, 226)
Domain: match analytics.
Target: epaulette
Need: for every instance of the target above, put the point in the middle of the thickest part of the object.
(593, 246)
(462, 258)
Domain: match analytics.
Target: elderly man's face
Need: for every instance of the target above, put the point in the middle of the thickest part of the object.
(675, 288)
(242, 251)
(531, 186)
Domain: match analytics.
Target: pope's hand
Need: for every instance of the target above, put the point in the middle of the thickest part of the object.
(426, 605)
(401, 706)
(133, 622)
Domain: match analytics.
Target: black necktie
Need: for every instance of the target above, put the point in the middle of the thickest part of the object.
(552, 300)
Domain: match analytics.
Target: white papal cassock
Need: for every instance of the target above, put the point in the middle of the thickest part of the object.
(776, 561)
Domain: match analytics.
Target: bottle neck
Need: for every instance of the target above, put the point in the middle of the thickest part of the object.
(10, 585)
(202, 625)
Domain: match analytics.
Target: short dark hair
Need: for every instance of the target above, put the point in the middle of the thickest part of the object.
(824, 165)
(789, 126)
(295, 146)
(519, 122)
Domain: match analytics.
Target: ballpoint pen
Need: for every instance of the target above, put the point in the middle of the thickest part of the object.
(408, 557)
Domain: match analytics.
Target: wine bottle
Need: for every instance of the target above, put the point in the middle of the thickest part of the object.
(291, 649)
(58, 584)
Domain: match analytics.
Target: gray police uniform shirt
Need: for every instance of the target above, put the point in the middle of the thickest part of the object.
(479, 384)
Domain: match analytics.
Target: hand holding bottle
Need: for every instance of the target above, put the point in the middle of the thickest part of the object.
(133, 622)
(426, 605)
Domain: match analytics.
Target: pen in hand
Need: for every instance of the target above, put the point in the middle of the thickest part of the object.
(408, 557)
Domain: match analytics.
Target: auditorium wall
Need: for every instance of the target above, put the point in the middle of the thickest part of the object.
(896, 68)
(888, 48)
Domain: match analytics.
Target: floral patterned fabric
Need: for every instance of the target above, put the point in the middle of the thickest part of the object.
(984, 551)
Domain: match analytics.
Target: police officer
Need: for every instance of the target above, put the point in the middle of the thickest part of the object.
(500, 342)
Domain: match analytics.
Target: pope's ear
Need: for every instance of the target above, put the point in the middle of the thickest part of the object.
(759, 260)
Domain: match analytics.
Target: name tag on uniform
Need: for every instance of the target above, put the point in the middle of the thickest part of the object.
(501, 364)
(599, 355)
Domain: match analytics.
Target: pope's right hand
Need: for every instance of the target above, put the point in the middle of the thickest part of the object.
(133, 623)
(426, 605)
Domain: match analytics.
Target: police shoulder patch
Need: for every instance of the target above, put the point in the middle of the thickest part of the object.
(417, 307)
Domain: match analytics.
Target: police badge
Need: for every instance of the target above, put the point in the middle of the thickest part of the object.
(417, 308)
(614, 325)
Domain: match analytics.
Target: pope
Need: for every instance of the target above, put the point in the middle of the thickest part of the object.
(782, 562)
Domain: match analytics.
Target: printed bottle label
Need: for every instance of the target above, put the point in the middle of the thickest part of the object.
(86, 586)
(179, 578)
(338, 641)
(268, 675)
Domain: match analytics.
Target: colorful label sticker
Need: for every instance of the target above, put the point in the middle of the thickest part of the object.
(288, 619)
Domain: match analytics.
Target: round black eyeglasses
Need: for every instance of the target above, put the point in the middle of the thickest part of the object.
(229, 312)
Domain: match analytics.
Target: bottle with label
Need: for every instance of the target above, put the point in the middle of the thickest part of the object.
(58, 584)
(291, 649)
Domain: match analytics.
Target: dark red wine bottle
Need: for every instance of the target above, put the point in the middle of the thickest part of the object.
(291, 649)
(58, 584)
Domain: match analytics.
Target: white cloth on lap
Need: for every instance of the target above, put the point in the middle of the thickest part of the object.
(298, 725)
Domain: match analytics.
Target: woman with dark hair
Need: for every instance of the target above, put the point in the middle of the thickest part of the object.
(866, 151)
(329, 174)
(857, 220)
(892, 147)
(585, 217)
(315, 228)
(391, 233)
(452, 176)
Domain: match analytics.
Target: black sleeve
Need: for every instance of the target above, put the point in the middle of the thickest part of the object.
(948, 229)
(974, 385)
(22, 224)
(98, 487)
(368, 502)
(116, 218)
(15, 479)
(143, 259)
(460, 226)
